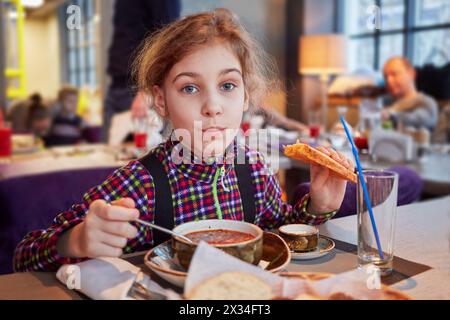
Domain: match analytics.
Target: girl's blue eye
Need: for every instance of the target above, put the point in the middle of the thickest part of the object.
(228, 86)
(189, 89)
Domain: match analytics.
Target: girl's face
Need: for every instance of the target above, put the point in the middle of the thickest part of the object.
(204, 94)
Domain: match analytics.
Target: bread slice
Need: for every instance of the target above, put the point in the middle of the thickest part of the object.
(305, 153)
(231, 286)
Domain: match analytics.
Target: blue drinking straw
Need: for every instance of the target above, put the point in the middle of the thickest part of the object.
(363, 184)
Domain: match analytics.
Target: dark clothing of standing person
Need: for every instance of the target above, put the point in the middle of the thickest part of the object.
(132, 22)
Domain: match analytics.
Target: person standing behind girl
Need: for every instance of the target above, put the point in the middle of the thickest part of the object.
(203, 72)
(131, 24)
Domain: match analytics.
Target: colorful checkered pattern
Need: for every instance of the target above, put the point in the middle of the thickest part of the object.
(192, 196)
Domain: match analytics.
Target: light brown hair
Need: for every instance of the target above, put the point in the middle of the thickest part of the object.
(65, 91)
(163, 49)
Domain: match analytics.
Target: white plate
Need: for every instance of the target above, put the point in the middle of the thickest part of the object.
(25, 143)
(325, 246)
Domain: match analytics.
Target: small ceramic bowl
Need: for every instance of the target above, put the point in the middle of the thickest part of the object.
(249, 251)
(300, 237)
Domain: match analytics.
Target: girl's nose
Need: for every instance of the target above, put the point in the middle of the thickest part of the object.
(212, 108)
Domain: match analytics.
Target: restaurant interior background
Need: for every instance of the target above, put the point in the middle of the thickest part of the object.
(43, 49)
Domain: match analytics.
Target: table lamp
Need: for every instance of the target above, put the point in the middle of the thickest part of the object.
(323, 55)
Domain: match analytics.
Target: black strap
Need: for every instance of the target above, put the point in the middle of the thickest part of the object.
(246, 189)
(164, 215)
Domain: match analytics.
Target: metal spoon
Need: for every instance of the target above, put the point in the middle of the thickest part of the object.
(154, 226)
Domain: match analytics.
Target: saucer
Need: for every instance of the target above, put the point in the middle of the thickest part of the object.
(324, 247)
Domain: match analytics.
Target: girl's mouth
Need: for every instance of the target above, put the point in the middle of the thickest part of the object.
(214, 130)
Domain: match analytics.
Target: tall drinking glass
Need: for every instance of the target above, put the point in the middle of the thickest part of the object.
(382, 187)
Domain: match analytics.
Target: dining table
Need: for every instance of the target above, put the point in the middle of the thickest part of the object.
(62, 158)
(421, 262)
(433, 169)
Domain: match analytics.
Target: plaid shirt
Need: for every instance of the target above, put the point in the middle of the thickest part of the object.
(193, 199)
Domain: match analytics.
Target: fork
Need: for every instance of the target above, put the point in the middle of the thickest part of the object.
(154, 226)
(140, 292)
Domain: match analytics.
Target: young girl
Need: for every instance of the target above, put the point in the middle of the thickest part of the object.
(204, 69)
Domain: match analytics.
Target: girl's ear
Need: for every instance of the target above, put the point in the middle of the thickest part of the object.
(246, 101)
(159, 101)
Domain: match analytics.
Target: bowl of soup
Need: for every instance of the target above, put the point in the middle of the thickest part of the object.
(240, 239)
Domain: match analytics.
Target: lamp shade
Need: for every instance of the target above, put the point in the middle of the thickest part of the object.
(322, 54)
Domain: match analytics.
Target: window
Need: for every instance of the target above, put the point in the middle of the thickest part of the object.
(431, 12)
(79, 46)
(190, 7)
(417, 29)
(432, 47)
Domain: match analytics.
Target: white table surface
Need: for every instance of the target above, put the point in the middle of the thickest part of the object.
(60, 159)
(422, 235)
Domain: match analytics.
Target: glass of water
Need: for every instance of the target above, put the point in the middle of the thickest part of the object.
(382, 187)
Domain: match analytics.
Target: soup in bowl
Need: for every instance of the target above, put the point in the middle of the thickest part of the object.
(240, 239)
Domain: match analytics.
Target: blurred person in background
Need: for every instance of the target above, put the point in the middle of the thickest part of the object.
(274, 118)
(38, 119)
(67, 127)
(407, 106)
(18, 113)
(132, 23)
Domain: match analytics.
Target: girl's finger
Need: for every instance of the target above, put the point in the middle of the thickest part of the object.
(351, 164)
(323, 150)
(343, 159)
(334, 155)
(124, 202)
(116, 213)
(118, 228)
(113, 241)
(346, 164)
(104, 250)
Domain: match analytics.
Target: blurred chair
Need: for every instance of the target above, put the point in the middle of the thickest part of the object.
(31, 202)
(435, 81)
(92, 134)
